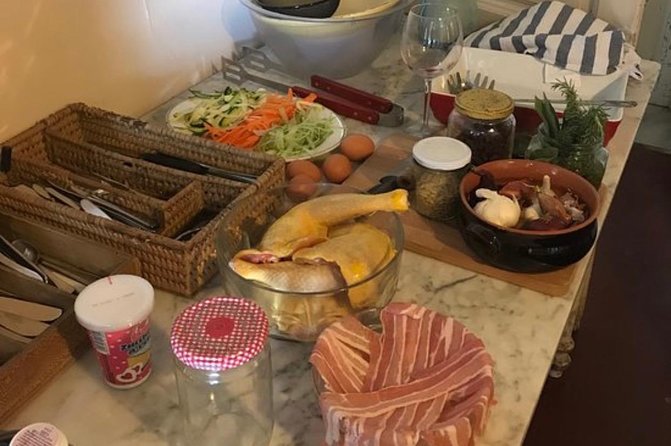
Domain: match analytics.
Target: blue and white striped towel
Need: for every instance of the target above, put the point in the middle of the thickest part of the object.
(557, 34)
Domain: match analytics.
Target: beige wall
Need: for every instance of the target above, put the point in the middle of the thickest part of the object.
(123, 55)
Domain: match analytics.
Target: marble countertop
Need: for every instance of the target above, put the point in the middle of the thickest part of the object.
(521, 328)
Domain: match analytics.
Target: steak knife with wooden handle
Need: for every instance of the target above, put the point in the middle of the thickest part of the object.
(31, 310)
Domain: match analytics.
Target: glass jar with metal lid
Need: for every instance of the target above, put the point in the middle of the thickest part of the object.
(223, 372)
(439, 165)
(484, 120)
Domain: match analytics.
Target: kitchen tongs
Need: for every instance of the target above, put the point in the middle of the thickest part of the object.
(342, 99)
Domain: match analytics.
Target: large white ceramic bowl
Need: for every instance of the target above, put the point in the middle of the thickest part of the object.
(359, 8)
(336, 47)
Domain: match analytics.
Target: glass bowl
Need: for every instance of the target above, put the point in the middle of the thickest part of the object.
(301, 316)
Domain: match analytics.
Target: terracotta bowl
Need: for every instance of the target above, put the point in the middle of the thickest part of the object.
(522, 250)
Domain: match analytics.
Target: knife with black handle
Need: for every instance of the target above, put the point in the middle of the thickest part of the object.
(195, 167)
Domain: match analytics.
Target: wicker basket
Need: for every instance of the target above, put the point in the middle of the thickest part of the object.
(78, 141)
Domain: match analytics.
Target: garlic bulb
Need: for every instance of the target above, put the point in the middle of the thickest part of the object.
(530, 214)
(497, 209)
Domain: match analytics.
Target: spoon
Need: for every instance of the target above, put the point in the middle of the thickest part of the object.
(70, 271)
(11, 264)
(15, 259)
(32, 254)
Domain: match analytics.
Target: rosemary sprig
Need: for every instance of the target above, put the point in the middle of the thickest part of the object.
(580, 126)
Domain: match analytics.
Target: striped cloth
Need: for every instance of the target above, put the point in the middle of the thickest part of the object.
(557, 34)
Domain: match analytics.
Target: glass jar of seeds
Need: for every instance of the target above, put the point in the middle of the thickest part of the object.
(484, 120)
(439, 164)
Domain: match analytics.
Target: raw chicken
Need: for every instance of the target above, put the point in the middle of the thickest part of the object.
(359, 249)
(308, 223)
(291, 276)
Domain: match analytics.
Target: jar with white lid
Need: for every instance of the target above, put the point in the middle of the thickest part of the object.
(223, 372)
(115, 311)
(439, 164)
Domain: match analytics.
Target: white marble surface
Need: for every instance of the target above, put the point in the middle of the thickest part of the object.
(521, 328)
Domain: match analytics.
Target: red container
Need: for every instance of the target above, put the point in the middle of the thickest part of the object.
(527, 118)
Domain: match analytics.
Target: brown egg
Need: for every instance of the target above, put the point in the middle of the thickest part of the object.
(357, 147)
(337, 168)
(304, 167)
(301, 187)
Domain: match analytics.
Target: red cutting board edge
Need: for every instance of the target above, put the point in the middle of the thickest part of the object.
(438, 240)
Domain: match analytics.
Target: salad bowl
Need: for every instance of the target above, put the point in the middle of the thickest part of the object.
(292, 140)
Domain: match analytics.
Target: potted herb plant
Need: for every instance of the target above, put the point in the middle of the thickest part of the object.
(576, 140)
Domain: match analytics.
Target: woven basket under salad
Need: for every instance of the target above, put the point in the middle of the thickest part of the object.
(85, 140)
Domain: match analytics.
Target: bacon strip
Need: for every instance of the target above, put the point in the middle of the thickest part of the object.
(425, 378)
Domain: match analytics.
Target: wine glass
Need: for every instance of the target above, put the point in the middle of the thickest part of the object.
(431, 45)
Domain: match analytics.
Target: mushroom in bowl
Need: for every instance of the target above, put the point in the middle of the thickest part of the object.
(528, 216)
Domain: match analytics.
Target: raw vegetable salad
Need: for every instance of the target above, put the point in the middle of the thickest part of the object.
(256, 120)
(220, 109)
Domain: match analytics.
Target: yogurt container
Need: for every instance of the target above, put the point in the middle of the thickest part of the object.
(39, 434)
(115, 310)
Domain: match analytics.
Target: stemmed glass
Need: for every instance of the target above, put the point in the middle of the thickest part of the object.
(431, 45)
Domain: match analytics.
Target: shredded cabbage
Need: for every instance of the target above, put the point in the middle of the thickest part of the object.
(304, 132)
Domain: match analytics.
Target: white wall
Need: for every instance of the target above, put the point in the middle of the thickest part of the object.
(123, 55)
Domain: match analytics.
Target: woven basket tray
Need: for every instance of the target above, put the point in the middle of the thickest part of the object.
(173, 214)
(82, 139)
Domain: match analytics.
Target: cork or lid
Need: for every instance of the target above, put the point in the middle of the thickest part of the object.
(219, 333)
(114, 303)
(39, 434)
(485, 104)
(441, 153)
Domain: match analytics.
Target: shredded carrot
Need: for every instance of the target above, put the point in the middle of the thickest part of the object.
(275, 110)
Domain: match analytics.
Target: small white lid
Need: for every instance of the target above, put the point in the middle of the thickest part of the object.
(39, 434)
(114, 303)
(441, 153)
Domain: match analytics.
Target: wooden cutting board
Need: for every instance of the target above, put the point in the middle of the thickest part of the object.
(438, 240)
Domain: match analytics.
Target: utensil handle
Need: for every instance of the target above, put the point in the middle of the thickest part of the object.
(196, 167)
(234, 176)
(602, 102)
(340, 105)
(175, 163)
(368, 100)
(121, 213)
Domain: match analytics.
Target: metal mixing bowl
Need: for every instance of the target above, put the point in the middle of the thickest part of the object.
(333, 47)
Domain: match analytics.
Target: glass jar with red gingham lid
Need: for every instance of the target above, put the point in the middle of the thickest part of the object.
(223, 372)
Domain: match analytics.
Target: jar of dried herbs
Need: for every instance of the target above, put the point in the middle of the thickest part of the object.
(484, 120)
(439, 164)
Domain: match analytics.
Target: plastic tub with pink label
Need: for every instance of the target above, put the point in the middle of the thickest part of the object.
(39, 434)
(115, 310)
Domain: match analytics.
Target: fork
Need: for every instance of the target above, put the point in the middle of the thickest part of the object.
(455, 83)
(257, 59)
